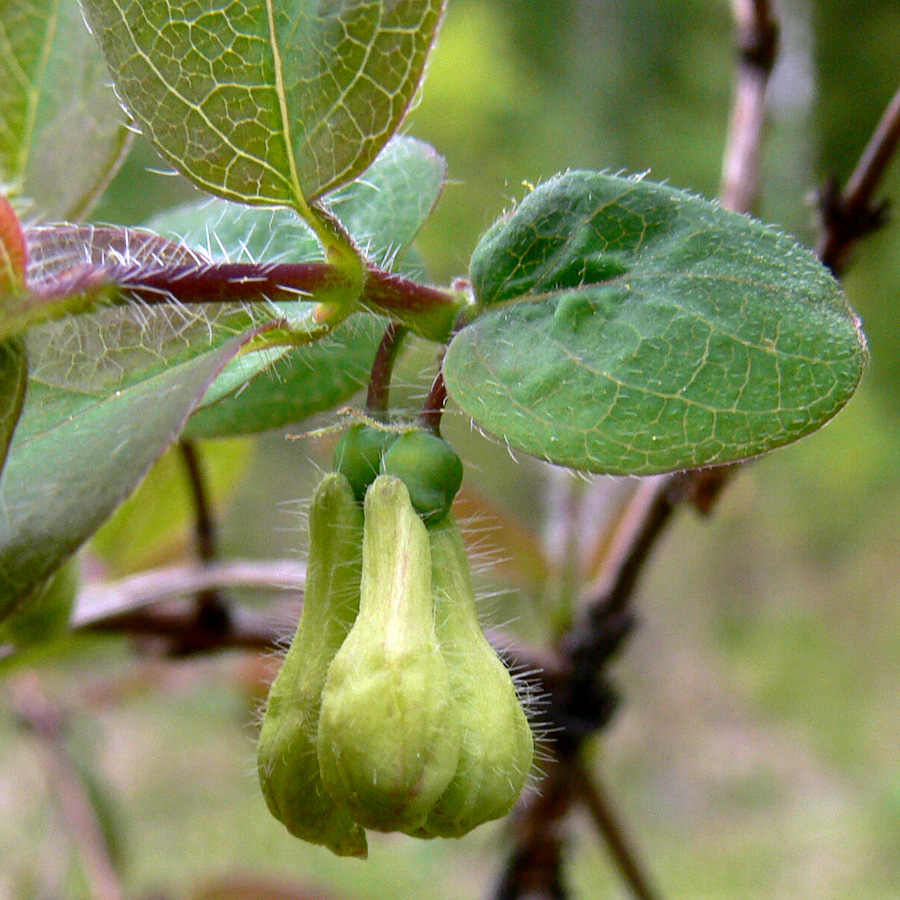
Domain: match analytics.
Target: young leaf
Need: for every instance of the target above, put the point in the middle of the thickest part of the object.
(75, 457)
(13, 356)
(53, 85)
(13, 256)
(631, 328)
(305, 381)
(268, 103)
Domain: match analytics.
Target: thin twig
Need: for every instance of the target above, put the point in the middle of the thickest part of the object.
(97, 602)
(852, 213)
(645, 517)
(204, 525)
(757, 40)
(613, 833)
(45, 723)
(212, 608)
(534, 866)
(184, 635)
(121, 607)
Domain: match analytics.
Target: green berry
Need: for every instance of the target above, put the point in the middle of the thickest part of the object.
(430, 469)
(358, 455)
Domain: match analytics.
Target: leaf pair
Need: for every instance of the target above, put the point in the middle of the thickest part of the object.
(92, 376)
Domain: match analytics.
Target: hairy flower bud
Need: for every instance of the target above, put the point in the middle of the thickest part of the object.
(288, 759)
(389, 729)
(497, 744)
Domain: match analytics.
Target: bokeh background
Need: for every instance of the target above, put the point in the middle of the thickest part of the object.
(757, 751)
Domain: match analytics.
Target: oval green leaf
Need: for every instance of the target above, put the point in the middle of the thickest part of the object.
(268, 103)
(630, 328)
(74, 458)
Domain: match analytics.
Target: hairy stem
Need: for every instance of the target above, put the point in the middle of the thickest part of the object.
(378, 396)
(433, 409)
(430, 311)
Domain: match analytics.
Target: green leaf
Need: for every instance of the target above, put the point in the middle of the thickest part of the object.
(45, 612)
(13, 378)
(383, 212)
(628, 327)
(305, 381)
(76, 457)
(272, 102)
(54, 86)
(154, 524)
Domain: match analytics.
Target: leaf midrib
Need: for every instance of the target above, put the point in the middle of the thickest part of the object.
(284, 113)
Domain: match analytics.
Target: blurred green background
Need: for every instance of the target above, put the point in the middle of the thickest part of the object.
(757, 753)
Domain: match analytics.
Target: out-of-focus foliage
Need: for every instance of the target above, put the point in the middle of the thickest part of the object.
(857, 71)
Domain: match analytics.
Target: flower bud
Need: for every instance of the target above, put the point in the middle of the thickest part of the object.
(389, 730)
(497, 744)
(288, 760)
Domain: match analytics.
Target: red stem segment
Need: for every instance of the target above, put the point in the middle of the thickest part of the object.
(430, 310)
(378, 398)
(433, 410)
